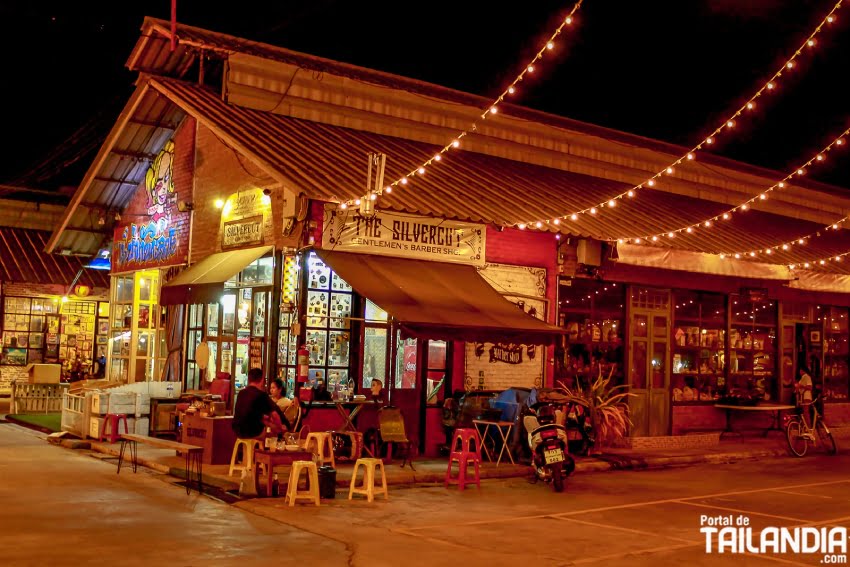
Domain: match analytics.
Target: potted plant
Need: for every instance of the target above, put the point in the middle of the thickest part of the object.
(605, 405)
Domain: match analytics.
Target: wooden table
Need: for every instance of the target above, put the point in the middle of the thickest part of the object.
(193, 454)
(348, 411)
(775, 409)
(272, 458)
(214, 434)
(504, 433)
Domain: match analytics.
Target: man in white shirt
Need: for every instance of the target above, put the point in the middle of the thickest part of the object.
(804, 391)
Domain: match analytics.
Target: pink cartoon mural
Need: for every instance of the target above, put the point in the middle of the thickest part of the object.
(152, 238)
(160, 184)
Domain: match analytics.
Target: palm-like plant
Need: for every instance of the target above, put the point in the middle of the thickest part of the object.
(605, 405)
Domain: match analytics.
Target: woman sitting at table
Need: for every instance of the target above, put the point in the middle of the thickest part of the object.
(289, 406)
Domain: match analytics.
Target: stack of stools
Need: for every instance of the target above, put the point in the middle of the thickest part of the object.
(324, 446)
(466, 448)
(312, 492)
(368, 486)
(247, 462)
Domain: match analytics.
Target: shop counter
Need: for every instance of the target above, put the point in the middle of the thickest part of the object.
(214, 434)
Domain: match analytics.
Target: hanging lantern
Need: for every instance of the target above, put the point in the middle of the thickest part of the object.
(81, 290)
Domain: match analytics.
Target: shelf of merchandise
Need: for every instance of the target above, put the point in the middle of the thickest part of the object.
(752, 347)
(698, 347)
(835, 369)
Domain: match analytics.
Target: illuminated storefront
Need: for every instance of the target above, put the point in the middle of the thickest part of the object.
(153, 239)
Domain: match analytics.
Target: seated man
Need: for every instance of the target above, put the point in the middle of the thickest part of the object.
(255, 409)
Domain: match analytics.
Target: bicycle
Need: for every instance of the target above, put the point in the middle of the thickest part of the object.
(799, 434)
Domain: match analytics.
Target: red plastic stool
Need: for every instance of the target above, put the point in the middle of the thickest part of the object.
(113, 419)
(465, 437)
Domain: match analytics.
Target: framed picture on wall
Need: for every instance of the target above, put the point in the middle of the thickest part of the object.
(103, 327)
(814, 338)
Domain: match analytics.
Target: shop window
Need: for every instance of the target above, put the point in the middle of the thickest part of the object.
(375, 356)
(136, 328)
(287, 340)
(25, 330)
(328, 325)
(699, 346)
(834, 369)
(375, 313)
(405, 363)
(648, 298)
(752, 347)
(436, 372)
(593, 313)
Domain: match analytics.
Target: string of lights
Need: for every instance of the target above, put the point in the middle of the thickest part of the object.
(728, 125)
(820, 262)
(492, 109)
(799, 171)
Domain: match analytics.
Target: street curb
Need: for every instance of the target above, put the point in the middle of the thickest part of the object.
(602, 463)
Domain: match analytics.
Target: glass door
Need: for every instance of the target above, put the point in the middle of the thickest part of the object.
(649, 374)
(406, 383)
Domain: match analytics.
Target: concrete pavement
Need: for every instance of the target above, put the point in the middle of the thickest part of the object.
(62, 507)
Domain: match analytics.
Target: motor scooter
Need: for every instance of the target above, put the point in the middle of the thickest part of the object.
(548, 442)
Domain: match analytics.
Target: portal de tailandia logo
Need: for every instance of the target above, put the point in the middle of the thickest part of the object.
(733, 534)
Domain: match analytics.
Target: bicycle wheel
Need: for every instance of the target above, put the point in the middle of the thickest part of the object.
(825, 437)
(796, 441)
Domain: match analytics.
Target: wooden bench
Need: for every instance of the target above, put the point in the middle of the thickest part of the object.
(193, 453)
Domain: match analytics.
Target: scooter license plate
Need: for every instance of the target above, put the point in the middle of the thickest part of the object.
(553, 456)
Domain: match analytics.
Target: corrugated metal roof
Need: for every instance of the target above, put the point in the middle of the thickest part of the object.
(144, 126)
(152, 54)
(23, 260)
(328, 163)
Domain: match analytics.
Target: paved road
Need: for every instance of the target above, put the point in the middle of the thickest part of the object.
(65, 507)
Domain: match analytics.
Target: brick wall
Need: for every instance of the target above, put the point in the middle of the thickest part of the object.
(482, 370)
(51, 290)
(220, 171)
(519, 249)
(182, 169)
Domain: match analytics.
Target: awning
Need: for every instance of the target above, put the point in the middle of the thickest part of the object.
(699, 262)
(436, 300)
(204, 281)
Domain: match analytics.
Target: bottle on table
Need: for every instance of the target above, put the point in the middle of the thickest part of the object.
(275, 486)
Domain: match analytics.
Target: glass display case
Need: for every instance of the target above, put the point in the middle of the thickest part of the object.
(752, 347)
(835, 354)
(699, 347)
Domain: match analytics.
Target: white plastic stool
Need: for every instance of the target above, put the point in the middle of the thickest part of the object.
(312, 492)
(323, 443)
(368, 486)
(247, 462)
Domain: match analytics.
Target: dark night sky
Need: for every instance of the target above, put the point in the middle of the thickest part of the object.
(663, 69)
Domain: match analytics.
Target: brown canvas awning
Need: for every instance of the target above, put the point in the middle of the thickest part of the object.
(436, 300)
(204, 281)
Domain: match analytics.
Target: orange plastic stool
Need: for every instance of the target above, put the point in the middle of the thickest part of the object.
(113, 419)
(463, 452)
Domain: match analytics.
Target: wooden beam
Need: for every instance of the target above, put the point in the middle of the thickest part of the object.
(89, 230)
(153, 124)
(118, 181)
(132, 154)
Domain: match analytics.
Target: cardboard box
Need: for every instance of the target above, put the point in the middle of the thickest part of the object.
(44, 373)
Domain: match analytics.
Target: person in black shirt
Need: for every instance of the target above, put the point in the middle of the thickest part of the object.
(255, 410)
